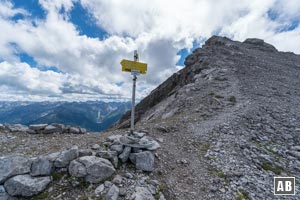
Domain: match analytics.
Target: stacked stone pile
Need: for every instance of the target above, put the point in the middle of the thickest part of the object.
(21, 176)
(42, 128)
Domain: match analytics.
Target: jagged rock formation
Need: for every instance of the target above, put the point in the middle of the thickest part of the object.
(230, 118)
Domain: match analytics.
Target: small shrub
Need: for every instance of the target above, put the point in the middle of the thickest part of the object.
(221, 175)
(219, 96)
(232, 99)
(243, 195)
(57, 175)
(240, 197)
(277, 170)
(41, 196)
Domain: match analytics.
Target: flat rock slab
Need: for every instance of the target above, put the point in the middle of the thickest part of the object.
(13, 165)
(37, 127)
(143, 143)
(52, 129)
(26, 185)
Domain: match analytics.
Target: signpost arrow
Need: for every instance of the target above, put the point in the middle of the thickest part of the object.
(128, 66)
(136, 68)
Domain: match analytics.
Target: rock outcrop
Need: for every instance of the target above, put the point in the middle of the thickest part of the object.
(43, 129)
(28, 177)
(230, 117)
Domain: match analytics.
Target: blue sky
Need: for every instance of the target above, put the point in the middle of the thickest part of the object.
(71, 49)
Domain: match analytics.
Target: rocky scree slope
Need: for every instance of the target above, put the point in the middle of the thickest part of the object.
(229, 121)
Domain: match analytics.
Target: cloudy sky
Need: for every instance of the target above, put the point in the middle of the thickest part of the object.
(71, 49)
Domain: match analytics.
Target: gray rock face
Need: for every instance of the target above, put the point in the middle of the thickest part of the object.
(142, 193)
(50, 129)
(125, 154)
(77, 169)
(13, 165)
(66, 157)
(144, 161)
(25, 185)
(41, 166)
(97, 169)
(112, 194)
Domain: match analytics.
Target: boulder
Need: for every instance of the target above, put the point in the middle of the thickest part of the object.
(132, 157)
(30, 131)
(65, 157)
(82, 130)
(147, 140)
(13, 165)
(50, 129)
(52, 156)
(117, 147)
(74, 130)
(99, 189)
(139, 134)
(125, 154)
(60, 126)
(112, 156)
(117, 179)
(142, 193)
(114, 138)
(38, 127)
(77, 169)
(144, 161)
(98, 169)
(17, 128)
(142, 143)
(95, 147)
(41, 166)
(112, 194)
(26, 185)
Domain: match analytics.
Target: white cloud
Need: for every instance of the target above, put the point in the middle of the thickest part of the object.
(90, 67)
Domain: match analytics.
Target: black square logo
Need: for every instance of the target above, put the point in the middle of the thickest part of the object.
(284, 185)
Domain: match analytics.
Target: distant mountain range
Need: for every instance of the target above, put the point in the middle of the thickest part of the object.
(92, 115)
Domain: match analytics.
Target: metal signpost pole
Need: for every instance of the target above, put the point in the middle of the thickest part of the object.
(134, 73)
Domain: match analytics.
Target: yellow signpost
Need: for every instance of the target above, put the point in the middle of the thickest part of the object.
(136, 68)
(129, 65)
